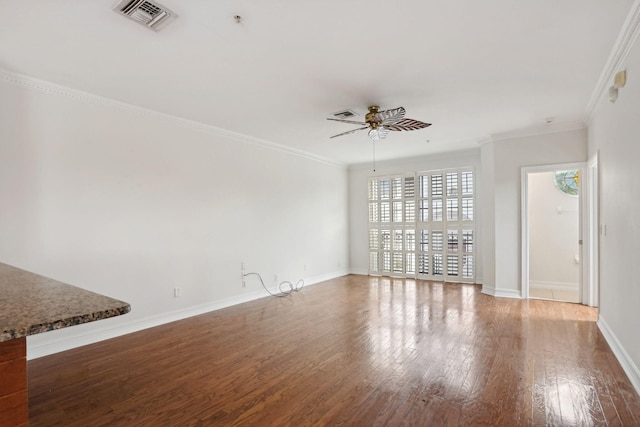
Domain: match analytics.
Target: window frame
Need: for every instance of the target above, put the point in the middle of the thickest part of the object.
(420, 206)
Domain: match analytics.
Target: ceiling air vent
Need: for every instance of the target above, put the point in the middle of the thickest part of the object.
(346, 114)
(150, 14)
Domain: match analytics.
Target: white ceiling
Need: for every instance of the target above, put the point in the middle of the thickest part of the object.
(472, 68)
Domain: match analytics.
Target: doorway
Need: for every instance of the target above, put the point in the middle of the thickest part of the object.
(553, 255)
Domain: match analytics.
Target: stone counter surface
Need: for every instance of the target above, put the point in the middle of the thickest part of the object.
(31, 304)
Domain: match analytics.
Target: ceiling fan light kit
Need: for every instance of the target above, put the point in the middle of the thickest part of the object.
(380, 123)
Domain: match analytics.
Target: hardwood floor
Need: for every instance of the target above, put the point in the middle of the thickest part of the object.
(352, 351)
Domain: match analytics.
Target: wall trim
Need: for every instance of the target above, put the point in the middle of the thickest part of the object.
(561, 286)
(525, 280)
(544, 129)
(621, 354)
(473, 152)
(27, 82)
(35, 350)
(365, 272)
(617, 59)
(501, 293)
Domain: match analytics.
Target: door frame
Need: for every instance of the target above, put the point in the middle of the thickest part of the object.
(592, 291)
(586, 290)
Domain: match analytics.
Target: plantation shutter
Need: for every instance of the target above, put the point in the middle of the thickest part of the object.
(423, 225)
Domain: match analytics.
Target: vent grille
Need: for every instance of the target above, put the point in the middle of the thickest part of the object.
(145, 12)
(346, 114)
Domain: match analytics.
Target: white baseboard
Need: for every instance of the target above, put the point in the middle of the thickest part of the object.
(365, 272)
(630, 368)
(560, 286)
(42, 345)
(501, 293)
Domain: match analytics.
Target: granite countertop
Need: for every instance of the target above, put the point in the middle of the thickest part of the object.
(31, 304)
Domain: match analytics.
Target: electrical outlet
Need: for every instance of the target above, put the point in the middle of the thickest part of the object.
(275, 279)
(177, 292)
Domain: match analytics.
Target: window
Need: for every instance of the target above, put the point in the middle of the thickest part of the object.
(567, 181)
(392, 230)
(422, 225)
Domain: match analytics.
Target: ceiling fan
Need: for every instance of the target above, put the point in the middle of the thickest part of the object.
(380, 123)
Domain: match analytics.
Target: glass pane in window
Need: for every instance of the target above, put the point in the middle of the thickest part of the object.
(452, 209)
(452, 265)
(409, 187)
(436, 241)
(385, 214)
(373, 189)
(384, 189)
(397, 262)
(467, 241)
(467, 209)
(424, 210)
(452, 184)
(424, 240)
(410, 240)
(373, 212)
(410, 263)
(397, 211)
(437, 265)
(409, 211)
(423, 182)
(436, 185)
(386, 262)
(452, 241)
(396, 188)
(423, 263)
(467, 182)
(373, 261)
(467, 266)
(373, 239)
(385, 239)
(397, 240)
(436, 210)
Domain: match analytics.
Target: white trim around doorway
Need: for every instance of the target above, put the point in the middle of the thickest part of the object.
(586, 290)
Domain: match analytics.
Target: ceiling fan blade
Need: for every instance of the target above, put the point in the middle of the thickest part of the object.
(349, 132)
(407, 124)
(389, 117)
(348, 121)
(378, 133)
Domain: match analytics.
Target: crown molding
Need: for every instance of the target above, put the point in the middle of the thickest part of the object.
(468, 153)
(535, 131)
(545, 129)
(617, 59)
(484, 140)
(31, 83)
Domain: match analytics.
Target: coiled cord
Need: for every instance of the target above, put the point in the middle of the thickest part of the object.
(283, 292)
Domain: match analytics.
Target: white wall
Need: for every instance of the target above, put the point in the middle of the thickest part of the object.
(358, 202)
(553, 235)
(614, 134)
(131, 204)
(487, 225)
(506, 157)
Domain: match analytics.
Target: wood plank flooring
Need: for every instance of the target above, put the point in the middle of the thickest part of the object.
(354, 351)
